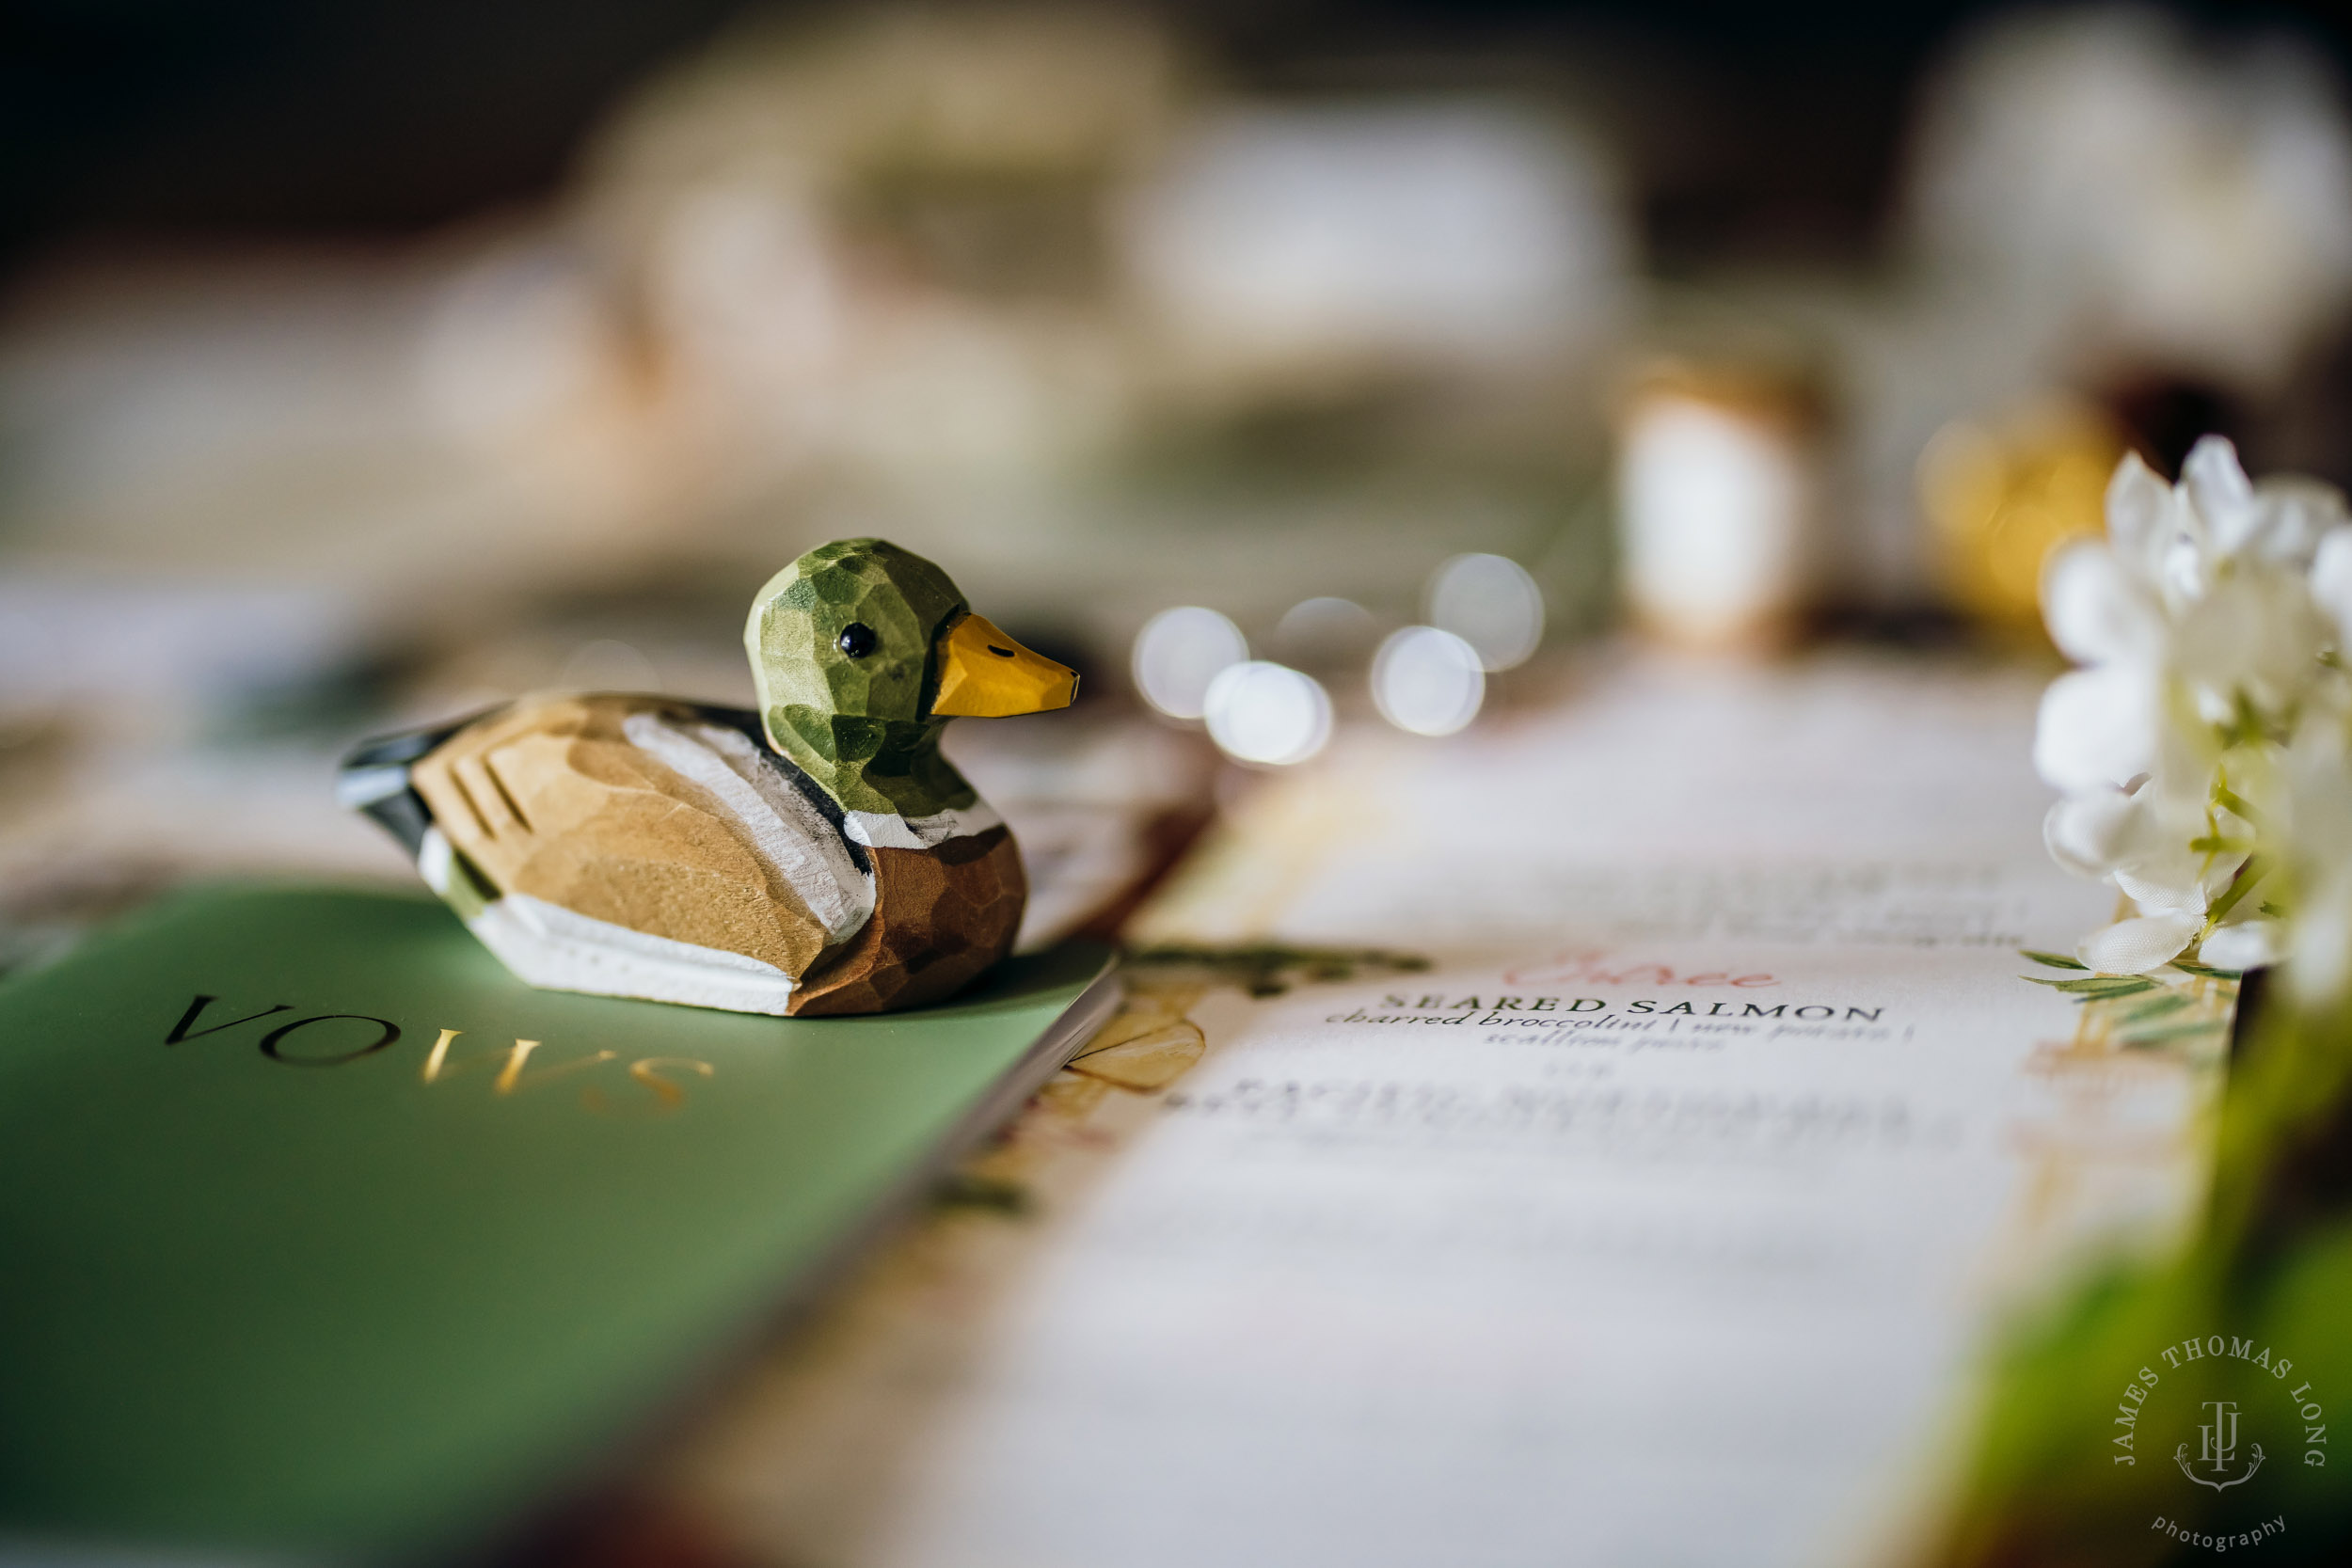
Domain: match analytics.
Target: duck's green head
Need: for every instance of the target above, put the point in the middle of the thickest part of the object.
(861, 651)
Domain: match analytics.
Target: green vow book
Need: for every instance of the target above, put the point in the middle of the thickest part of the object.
(322, 1235)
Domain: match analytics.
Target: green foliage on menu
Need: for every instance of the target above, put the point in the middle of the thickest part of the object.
(322, 1234)
(2166, 1406)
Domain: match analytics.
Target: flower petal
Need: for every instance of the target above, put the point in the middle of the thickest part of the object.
(2140, 516)
(2097, 729)
(2219, 491)
(2331, 580)
(2087, 834)
(2135, 946)
(2166, 889)
(2183, 570)
(2321, 960)
(2316, 818)
(2162, 874)
(2247, 945)
(2096, 612)
(2291, 515)
(2253, 633)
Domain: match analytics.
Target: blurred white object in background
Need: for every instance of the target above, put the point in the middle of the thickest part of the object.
(872, 245)
(517, 340)
(2172, 201)
(1463, 229)
(1489, 602)
(740, 290)
(1267, 713)
(522, 360)
(897, 93)
(1427, 680)
(1179, 653)
(1716, 499)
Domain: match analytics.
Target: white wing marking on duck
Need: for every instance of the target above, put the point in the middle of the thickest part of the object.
(881, 830)
(549, 945)
(434, 860)
(788, 833)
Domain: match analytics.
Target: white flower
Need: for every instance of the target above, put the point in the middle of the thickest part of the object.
(2099, 609)
(2097, 728)
(2091, 833)
(2135, 946)
(2315, 833)
(2320, 948)
(2247, 945)
(2205, 750)
(2331, 581)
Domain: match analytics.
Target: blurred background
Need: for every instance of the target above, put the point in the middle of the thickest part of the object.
(1282, 366)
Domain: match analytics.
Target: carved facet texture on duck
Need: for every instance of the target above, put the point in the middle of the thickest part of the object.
(817, 857)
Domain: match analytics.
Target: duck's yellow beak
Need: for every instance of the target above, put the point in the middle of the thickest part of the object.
(985, 674)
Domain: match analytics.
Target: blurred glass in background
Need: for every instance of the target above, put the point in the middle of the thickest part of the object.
(1718, 506)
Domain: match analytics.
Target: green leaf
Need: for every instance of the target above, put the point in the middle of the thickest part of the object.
(2207, 970)
(2055, 960)
(2170, 1001)
(2138, 1038)
(2253, 871)
(2096, 986)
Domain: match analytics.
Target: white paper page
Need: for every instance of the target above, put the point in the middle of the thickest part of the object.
(1659, 1222)
(1847, 802)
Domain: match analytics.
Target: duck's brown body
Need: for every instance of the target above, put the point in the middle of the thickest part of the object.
(941, 916)
(670, 821)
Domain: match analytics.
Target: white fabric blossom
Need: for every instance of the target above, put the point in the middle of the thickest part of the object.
(2204, 748)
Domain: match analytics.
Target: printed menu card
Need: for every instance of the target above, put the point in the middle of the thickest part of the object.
(1622, 1130)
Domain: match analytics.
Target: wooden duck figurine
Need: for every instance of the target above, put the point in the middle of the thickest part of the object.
(817, 856)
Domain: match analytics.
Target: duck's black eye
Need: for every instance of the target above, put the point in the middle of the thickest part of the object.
(857, 640)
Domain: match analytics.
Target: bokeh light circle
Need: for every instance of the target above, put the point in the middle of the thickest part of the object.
(1489, 602)
(1268, 713)
(1427, 680)
(1179, 653)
